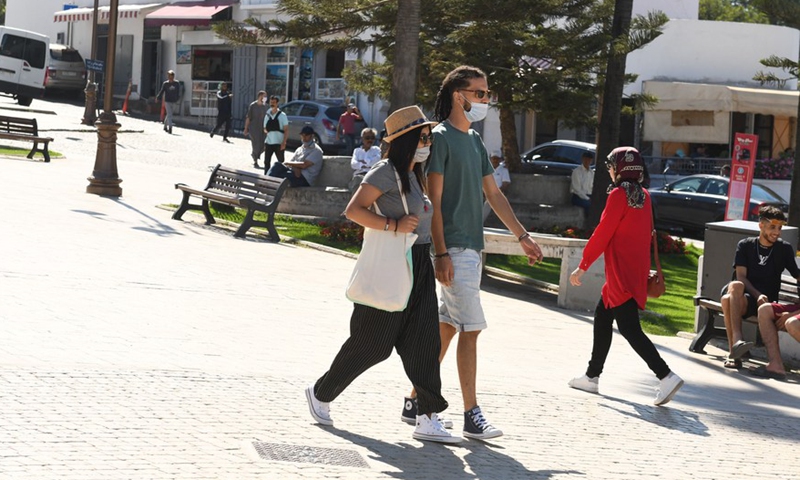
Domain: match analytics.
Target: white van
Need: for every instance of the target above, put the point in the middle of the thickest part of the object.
(23, 62)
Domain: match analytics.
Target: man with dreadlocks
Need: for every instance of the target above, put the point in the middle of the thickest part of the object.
(459, 175)
(623, 236)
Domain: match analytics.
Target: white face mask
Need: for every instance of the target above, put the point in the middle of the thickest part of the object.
(422, 154)
(477, 111)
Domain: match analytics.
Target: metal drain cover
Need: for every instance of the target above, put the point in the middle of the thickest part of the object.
(280, 452)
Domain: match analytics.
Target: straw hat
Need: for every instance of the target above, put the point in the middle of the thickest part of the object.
(404, 120)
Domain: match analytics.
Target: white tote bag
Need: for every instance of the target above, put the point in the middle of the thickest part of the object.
(383, 275)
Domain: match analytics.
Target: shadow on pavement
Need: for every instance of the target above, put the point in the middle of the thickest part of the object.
(434, 460)
(671, 418)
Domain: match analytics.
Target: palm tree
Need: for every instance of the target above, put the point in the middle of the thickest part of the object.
(611, 106)
(406, 49)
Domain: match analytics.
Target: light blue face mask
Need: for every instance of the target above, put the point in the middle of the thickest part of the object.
(477, 111)
(422, 154)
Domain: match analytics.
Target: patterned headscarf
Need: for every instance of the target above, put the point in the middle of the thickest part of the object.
(629, 168)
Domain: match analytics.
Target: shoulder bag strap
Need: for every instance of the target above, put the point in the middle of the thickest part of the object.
(654, 241)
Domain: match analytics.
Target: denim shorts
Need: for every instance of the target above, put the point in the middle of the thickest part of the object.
(460, 303)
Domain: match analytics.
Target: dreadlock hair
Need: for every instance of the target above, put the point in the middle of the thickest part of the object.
(401, 153)
(455, 80)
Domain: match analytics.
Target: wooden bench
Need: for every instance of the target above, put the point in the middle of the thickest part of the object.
(711, 308)
(25, 129)
(256, 193)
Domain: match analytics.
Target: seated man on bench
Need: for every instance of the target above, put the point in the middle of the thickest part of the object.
(756, 281)
(772, 318)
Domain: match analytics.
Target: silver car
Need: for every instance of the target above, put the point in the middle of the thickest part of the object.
(66, 70)
(322, 117)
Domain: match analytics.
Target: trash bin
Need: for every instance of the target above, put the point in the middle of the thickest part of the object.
(716, 267)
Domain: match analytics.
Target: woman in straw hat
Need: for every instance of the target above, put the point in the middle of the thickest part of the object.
(623, 236)
(414, 332)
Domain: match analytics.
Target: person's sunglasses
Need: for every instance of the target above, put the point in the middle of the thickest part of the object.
(426, 138)
(481, 94)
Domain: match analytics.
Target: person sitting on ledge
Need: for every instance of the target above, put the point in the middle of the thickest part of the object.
(758, 265)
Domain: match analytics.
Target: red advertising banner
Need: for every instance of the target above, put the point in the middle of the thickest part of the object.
(743, 165)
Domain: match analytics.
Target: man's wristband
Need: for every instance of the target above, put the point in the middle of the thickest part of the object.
(524, 236)
(386, 227)
(442, 255)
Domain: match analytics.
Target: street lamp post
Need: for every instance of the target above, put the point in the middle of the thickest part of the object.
(105, 179)
(90, 93)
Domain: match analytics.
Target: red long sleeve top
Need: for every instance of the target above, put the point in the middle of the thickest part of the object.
(623, 236)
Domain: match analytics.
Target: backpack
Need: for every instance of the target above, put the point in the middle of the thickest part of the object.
(273, 125)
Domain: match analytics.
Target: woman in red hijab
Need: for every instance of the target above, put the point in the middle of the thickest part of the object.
(623, 237)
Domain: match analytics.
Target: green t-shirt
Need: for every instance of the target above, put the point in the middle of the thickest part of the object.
(462, 159)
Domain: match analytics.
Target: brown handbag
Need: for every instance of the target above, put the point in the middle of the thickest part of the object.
(655, 280)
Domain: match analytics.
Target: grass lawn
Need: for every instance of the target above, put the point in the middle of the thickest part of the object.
(23, 152)
(671, 313)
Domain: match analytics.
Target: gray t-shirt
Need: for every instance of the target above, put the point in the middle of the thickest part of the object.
(313, 155)
(383, 178)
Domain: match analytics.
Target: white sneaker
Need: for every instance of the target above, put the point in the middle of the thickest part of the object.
(667, 388)
(591, 385)
(321, 411)
(430, 429)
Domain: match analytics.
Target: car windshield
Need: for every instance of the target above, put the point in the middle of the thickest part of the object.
(66, 55)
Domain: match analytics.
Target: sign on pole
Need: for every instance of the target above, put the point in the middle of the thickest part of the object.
(95, 65)
(743, 165)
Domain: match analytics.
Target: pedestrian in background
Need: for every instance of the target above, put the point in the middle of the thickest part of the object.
(255, 115)
(276, 128)
(171, 93)
(347, 127)
(304, 166)
(624, 237)
(413, 332)
(364, 157)
(501, 178)
(581, 183)
(224, 110)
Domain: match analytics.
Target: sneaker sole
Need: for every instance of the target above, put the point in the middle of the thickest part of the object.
(483, 436)
(436, 438)
(585, 390)
(671, 394)
(410, 421)
(320, 420)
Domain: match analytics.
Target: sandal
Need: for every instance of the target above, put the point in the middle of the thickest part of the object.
(732, 363)
(764, 373)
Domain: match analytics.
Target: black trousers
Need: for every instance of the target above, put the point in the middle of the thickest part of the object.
(223, 120)
(269, 149)
(414, 332)
(627, 316)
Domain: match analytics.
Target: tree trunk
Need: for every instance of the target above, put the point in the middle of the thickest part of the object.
(794, 192)
(508, 133)
(406, 50)
(608, 130)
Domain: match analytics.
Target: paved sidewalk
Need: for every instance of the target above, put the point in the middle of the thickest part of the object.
(135, 346)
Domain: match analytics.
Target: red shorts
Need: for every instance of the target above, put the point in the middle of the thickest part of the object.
(779, 308)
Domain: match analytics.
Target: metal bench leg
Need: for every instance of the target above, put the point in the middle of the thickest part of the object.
(182, 208)
(273, 232)
(246, 224)
(705, 334)
(46, 152)
(207, 212)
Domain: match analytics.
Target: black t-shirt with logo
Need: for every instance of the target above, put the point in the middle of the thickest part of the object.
(765, 265)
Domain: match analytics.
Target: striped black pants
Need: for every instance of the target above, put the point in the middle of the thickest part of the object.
(414, 332)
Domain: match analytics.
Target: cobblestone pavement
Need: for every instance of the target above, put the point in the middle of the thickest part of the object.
(135, 346)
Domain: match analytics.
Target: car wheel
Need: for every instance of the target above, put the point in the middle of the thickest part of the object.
(24, 101)
(318, 140)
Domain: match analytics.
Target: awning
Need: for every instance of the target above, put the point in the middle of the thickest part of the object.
(192, 14)
(722, 98)
(668, 121)
(85, 14)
